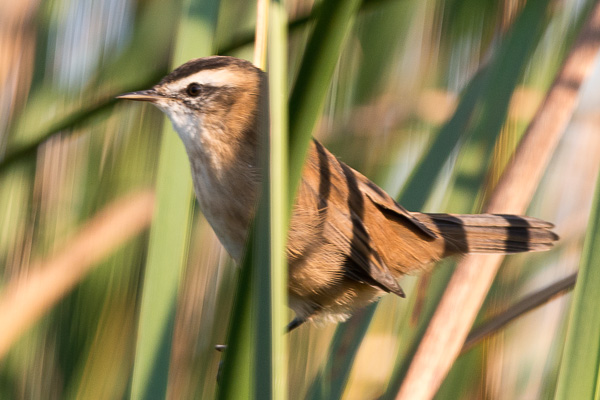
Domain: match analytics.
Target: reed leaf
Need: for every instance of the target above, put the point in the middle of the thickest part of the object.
(314, 78)
(169, 235)
(579, 370)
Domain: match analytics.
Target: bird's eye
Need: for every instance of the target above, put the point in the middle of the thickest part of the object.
(194, 89)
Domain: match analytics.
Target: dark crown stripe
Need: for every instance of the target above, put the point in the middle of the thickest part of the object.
(202, 64)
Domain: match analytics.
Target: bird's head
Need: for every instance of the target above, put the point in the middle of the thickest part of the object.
(211, 101)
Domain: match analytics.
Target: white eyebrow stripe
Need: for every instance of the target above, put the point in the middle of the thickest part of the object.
(212, 77)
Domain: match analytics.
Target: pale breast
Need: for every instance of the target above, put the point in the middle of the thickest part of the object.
(228, 204)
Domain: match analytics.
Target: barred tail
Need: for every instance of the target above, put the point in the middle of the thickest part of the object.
(490, 233)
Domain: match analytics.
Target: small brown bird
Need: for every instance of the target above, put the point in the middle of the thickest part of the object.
(349, 241)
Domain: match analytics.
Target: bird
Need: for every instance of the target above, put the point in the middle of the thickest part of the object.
(349, 241)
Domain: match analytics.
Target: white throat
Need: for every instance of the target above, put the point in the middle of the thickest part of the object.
(213, 185)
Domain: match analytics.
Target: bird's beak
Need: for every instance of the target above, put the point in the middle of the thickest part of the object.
(142, 95)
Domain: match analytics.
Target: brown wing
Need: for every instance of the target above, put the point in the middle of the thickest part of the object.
(327, 227)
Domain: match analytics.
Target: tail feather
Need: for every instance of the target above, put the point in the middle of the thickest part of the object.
(490, 233)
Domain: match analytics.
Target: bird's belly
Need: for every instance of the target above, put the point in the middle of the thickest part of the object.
(226, 212)
(334, 303)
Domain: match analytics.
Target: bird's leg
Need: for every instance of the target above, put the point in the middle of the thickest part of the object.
(296, 322)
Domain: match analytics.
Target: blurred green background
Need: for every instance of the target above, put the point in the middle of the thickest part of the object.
(68, 149)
